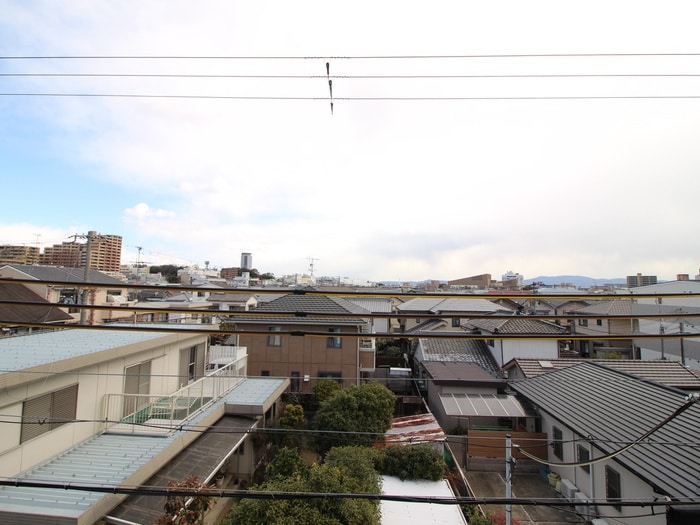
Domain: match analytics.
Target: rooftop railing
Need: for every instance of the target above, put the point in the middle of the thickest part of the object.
(161, 413)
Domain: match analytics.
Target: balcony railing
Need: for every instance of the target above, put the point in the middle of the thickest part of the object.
(159, 414)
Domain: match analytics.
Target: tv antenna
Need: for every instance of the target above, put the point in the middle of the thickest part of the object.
(311, 265)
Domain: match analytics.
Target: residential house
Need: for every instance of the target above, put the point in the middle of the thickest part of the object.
(94, 288)
(525, 337)
(307, 337)
(174, 307)
(604, 334)
(616, 437)
(677, 315)
(665, 372)
(16, 317)
(107, 408)
(450, 313)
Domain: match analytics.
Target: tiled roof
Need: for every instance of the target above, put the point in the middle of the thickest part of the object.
(614, 407)
(517, 325)
(18, 313)
(61, 273)
(462, 372)
(457, 351)
(372, 304)
(438, 306)
(304, 304)
(670, 373)
(601, 308)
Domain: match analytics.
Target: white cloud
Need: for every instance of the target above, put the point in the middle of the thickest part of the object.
(381, 189)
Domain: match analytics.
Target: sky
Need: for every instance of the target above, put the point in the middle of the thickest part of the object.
(541, 137)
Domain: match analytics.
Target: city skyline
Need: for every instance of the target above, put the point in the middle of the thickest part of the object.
(404, 143)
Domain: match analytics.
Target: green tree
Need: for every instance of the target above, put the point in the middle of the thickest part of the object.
(324, 389)
(357, 415)
(347, 470)
(292, 419)
(413, 462)
(287, 463)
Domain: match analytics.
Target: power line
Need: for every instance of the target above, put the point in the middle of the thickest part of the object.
(341, 57)
(354, 99)
(350, 77)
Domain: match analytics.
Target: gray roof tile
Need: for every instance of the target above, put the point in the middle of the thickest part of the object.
(612, 407)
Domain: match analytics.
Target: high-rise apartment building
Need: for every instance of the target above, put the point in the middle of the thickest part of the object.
(246, 261)
(105, 252)
(12, 254)
(640, 280)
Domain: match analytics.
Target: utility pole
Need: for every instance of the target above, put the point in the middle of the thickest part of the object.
(86, 277)
(509, 459)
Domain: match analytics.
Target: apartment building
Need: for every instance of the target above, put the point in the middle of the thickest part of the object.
(103, 252)
(108, 408)
(12, 254)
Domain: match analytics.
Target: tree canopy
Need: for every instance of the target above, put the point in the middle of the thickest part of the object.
(356, 415)
(347, 471)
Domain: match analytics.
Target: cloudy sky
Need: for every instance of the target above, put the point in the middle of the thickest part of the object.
(542, 137)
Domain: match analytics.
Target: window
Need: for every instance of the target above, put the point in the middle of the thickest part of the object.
(612, 485)
(296, 381)
(334, 342)
(137, 380)
(490, 342)
(330, 375)
(47, 412)
(456, 322)
(274, 340)
(599, 322)
(265, 373)
(557, 446)
(582, 456)
(583, 322)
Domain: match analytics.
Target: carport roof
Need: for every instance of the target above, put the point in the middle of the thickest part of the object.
(484, 405)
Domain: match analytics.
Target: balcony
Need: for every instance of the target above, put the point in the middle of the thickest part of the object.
(153, 414)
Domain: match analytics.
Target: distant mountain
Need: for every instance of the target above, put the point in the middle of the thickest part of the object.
(577, 280)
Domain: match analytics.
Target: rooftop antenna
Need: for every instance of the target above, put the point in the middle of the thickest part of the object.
(311, 265)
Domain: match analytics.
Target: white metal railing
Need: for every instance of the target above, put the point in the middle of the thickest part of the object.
(160, 413)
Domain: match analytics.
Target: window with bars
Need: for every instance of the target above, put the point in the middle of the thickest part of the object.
(613, 490)
(48, 412)
(583, 456)
(557, 445)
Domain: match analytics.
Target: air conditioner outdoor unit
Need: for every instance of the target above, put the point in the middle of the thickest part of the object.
(582, 508)
(568, 489)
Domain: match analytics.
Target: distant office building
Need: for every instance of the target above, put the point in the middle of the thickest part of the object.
(105, 253)
(512, 280)
(246, 261)
(640, 280)
(10, 254)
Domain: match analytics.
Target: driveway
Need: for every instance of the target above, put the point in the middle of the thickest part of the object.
(525, 485)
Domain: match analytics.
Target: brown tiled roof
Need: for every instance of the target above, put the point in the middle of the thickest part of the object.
(18, 313)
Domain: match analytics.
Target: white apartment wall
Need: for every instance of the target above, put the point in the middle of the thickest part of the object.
(95, 381)
(593, 485)
(503, 350)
